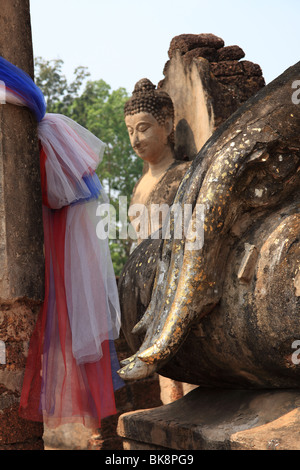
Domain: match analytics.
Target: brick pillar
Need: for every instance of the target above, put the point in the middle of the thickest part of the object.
(21, 234)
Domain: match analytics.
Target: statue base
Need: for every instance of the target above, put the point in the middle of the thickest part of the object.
(210, 419)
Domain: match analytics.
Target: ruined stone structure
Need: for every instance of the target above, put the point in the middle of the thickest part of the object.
(202, 101)
(246, 178)
(207, 82)
(225, 315)
(21, 234)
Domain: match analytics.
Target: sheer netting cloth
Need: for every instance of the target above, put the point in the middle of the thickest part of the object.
(71, 372)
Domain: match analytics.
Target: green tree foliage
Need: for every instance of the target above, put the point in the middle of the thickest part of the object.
(99, 109)
(59, 94)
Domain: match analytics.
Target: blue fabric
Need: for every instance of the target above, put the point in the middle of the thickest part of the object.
(94, 188)
(115, 366)
(93, 183)
(22, 84)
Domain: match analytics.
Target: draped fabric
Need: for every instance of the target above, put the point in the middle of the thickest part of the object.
(21, 89)
(71, 367)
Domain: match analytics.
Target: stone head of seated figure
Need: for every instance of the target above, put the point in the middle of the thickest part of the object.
(149, 117)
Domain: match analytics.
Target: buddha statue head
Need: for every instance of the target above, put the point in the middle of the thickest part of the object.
(149, 117)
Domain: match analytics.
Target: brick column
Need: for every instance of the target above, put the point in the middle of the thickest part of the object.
(21, 234)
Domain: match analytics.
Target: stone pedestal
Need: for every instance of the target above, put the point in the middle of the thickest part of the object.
(208, 419)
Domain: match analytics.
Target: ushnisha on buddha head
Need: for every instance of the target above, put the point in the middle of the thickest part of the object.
(149, 117)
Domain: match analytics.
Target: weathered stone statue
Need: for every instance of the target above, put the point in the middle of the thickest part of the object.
(226, 313)
(149, 117)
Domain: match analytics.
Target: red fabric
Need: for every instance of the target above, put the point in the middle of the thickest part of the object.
(55, 389)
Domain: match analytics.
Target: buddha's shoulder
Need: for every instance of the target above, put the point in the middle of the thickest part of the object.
(178, 170)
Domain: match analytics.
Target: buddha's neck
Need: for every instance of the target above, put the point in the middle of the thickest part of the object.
(158, 168)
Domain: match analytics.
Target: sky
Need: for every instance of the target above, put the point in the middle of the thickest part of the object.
(122, 41)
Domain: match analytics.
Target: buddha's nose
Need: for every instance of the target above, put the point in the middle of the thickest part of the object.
(135, 140)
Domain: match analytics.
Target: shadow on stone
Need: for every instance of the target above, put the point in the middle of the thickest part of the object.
(217, 420)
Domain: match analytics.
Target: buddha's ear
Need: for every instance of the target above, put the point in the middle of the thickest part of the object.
(169, 124)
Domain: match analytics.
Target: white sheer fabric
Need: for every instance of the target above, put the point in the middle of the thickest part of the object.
(92, 296)
(91, 290)
(72, 152)
(71, 367)
(10, 97)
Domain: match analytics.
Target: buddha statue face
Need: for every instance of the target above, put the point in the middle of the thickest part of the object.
(148, 138)
(149, 117)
